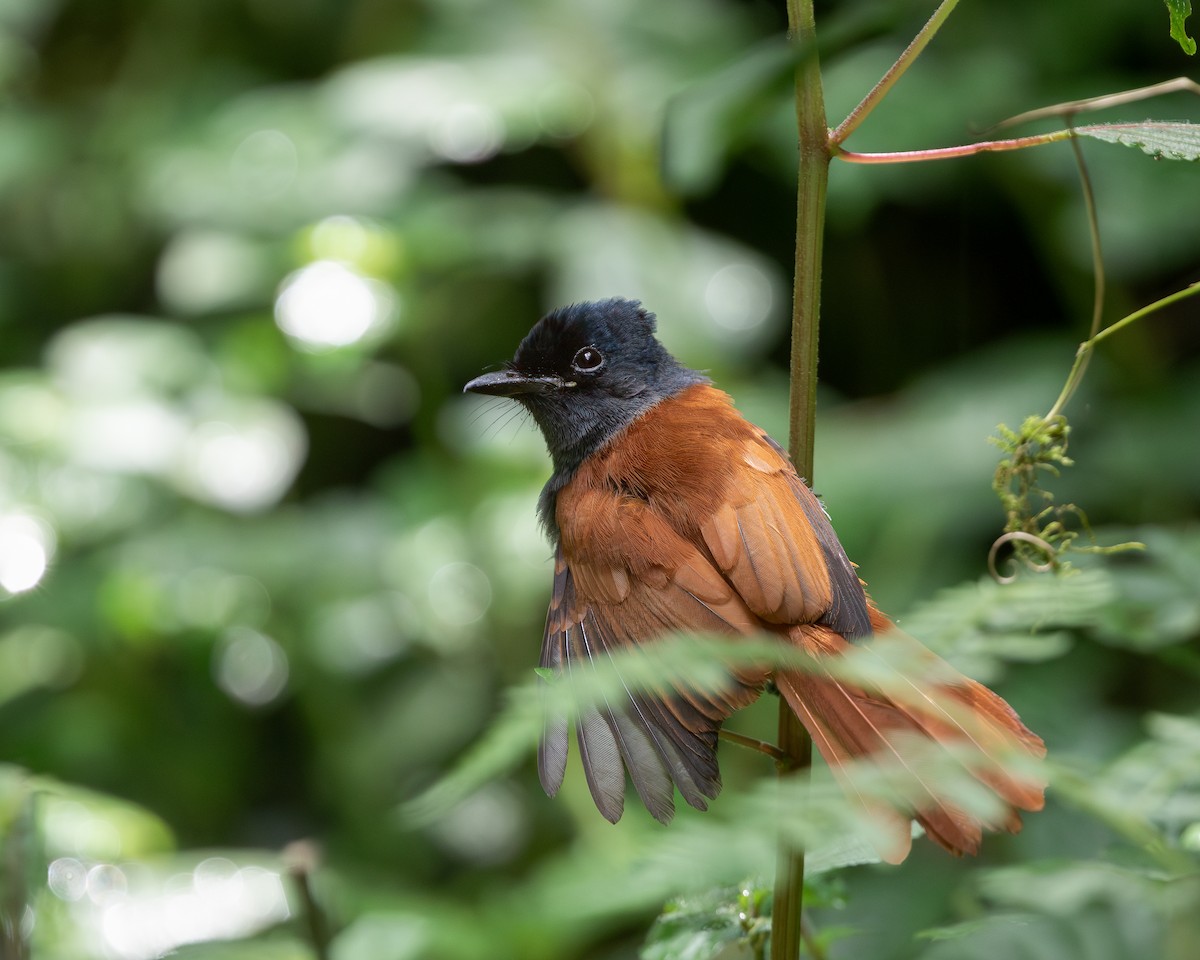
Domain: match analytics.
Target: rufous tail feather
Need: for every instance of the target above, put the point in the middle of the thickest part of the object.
(940, 710)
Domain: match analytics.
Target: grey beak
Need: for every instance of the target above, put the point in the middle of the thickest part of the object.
(510, 383)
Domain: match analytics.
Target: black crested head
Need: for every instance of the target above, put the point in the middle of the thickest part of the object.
(586, 372)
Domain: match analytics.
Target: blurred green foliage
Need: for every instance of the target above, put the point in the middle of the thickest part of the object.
(265, 575)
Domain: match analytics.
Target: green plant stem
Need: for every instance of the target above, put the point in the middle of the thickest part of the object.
(1083, 357)
(1085, 348)
(1189, 291)
(894, 73)
(301, 858)
(812, 183)
(787, 906)
(1093, 219)
(813, 177)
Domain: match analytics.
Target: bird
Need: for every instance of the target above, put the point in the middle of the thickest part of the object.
(669, 512)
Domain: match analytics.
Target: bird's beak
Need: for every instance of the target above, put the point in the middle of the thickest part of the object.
(510, 383)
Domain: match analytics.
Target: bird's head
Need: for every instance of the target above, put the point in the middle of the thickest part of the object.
(587, 371)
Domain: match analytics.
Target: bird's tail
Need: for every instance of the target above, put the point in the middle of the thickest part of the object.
(910, 719)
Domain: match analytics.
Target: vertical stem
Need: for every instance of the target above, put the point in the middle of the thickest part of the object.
(788, 904)
(787, 908)
(301, 860)
(1093, 220)
(810, 232)
(1084, 355)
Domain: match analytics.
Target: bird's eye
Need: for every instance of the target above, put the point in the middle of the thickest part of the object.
(588, 360)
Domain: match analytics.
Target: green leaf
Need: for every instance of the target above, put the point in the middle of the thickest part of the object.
(1073, 910)
(716, 924)
(1155, 605)
(396, 934)
(1163, 141)
(729, 923)
(1158, 779)
(980, 625)
(1094, 935)
(708, 121)
(77, 821)
(506, 743)
(1180, 10)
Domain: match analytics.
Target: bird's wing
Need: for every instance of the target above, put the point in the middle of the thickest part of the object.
(624, 577)
(773, 541)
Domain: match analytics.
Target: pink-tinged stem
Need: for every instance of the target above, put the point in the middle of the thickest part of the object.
(948, 153)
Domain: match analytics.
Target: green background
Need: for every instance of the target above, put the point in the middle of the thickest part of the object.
(250, 250)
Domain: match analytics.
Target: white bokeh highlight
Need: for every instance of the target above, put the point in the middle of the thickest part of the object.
(328, 304)
(250, 667)
(26, 546)
(245, 458)
(216, 901)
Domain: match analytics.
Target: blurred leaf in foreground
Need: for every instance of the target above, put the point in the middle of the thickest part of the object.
(980, 625)
(725, 924)
(1082, 910)
(1155, 604)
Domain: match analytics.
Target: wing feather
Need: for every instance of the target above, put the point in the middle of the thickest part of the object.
(555, 742)
(635, 745)
(663, 737)
(773, 542)
(598, 750)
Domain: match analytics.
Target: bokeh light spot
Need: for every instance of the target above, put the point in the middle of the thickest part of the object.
(115, 358)
(202, 270)
(216, 901)
(139, 436)
(490, 826)
(213, 874)
(565, 109)
(250, 667)
(328, 304)
(358, 635)
(265, 163)
(67, 878)
(248, 461)
(26, 545)
(738, 297)
(468, 133)
(106, 883)
(459, 593)
(340, 238)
